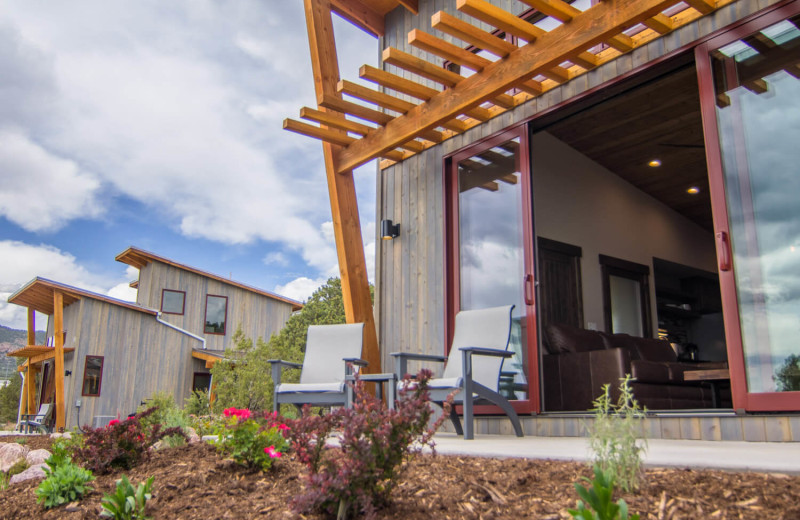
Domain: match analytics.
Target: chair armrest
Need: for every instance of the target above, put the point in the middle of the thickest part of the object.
(277, 365)
(480, 351)
(349, 363)
(401, 361)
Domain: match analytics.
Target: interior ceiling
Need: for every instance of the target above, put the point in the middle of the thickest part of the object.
(658, 120)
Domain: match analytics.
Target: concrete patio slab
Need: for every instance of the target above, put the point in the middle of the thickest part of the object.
(781, 457)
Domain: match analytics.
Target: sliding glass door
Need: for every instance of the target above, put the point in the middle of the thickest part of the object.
(750, 92)
(490, 248)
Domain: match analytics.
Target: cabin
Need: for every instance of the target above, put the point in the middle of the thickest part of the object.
(622, 171)
(103, 357)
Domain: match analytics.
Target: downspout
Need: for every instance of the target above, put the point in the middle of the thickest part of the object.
(182, 331)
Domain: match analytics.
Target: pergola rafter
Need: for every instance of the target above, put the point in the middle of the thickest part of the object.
(584, 40)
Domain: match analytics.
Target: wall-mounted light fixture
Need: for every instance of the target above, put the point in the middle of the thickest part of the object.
(389, 230)
(68, 373)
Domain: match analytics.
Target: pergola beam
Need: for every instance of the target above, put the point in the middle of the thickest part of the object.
(598, 24)
(58, 341)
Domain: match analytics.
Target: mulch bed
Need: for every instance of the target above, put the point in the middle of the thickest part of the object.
(194, 482)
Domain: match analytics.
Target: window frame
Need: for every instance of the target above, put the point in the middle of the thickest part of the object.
(611, 266)
(203, 374)
(183, 305)
(99, 381)
(225, 321)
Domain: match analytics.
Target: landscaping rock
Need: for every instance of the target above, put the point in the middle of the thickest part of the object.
(35, 457)
(65, 435)
(192, 434)
(10, 453)
(33, 473)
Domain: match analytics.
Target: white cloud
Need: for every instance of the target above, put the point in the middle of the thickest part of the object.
(123, 290)
(40, 191)
(276, 258)
(24, 262)
(300, 289)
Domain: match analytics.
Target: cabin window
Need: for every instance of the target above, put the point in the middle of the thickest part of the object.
(216, 314)
(92, 376)
(201, 382)
(626, 297)
(172, 302)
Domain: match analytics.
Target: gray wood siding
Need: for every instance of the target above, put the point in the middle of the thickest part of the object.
(410, 288)
(140, 357)
(259, 316)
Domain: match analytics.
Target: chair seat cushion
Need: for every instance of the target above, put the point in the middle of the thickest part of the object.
(449, 382)
(293, 388)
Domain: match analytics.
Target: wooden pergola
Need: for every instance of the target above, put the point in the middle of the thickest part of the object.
(411, 115)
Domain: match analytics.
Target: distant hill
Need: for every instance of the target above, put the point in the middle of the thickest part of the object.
(11, 339)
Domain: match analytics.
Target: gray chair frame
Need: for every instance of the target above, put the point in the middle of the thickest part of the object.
(321, 398)
(480, 394)
(38, 420)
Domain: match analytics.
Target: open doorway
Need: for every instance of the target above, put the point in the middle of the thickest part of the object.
(623, 179)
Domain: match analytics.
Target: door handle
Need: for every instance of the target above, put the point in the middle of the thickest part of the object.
(723, 251)
(528, 289)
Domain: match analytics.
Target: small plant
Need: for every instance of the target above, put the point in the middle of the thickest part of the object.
(63, 484)
(60, 453)
(251, 443)
(127, 502)
(207, 424)
(360, 474)
(22, 440)
(121, 444)
(167, 414)
(617, 436)
(600, 499)
(4, 481)
(18, 467)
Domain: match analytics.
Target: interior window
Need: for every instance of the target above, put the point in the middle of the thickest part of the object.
(216, 314)
(92, 376)
(626, 296)
(172, 302)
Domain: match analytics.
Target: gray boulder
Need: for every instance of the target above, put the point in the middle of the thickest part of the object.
(34, 472)
(10, 453)
(35, 457)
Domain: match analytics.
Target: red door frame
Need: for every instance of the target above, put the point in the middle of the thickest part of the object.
(452, 271)
(742, 399)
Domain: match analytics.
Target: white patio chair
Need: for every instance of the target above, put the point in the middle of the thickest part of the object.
(472, 370)
(37, 421)
(331, 350)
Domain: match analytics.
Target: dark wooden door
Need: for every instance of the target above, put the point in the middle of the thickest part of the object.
(559, 278)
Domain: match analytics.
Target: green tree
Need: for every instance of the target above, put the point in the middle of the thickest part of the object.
(9, 399)
(787, 377)
(244, 379)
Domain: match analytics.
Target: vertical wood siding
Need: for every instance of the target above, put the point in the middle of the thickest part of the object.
(410, 276)
(258, 315)
(140, 357)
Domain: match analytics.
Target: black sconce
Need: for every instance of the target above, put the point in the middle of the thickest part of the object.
(68, 373)
(389, 230)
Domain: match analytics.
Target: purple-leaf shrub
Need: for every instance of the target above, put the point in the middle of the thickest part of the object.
(121, 444)
(374, 441)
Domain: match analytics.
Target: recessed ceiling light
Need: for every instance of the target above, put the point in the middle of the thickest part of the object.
(655, 163)
(694, 190)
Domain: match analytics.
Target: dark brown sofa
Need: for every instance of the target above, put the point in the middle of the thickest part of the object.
(579, 362)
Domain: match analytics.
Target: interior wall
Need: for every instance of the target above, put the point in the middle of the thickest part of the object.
(579, 202)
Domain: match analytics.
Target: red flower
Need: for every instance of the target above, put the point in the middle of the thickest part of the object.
(112, 422)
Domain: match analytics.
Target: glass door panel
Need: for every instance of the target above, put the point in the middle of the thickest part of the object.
(491, 247)
(753, 95)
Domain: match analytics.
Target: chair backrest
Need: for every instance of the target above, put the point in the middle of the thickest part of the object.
(484, 328)
(43, 413)
(326, 346)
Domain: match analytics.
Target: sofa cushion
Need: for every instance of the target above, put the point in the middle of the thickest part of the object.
(625, 341)
(563, 338)
(650, 371)
(655, 350)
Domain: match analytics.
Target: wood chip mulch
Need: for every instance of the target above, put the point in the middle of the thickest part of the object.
(193, 482)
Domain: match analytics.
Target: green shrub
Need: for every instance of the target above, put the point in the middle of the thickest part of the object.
(167, 414)
(600, 498)
(64, 484)
(197, 403)
(18, 467)
(127, 502)
(4, 481)
(617, 436)
(207, 424)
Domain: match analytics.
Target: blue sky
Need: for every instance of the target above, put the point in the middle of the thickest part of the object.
(158, 124)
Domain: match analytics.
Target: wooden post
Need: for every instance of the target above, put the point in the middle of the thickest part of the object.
(31, 326)
(58, 337)
(30, 380)
(24, 405)
(341, 187)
